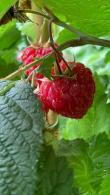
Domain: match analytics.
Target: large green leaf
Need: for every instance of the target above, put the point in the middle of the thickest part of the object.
(90, 163)
(9, 35)
(21, 127)
(10, 38)
(5, 6)
(77, 153)
(90, 16)
(55, 177)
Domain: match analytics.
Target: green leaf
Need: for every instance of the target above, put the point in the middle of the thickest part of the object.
(55, 177)
(83, 175)
(29, 29)
(65, 35)
(5, 6)
(84, 15)
(8, 48)
(8, 56)
(83, 170)
(21, 124)
(90, 163)
(108, 93)
(77, 153)
(105, 69)
(46, 67)
(107, 57)
(69, 148)
(8, 62)
(9, 35)
(99, 152)
(39, 3)
(105, 187)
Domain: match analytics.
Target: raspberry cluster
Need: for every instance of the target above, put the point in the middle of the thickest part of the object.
(68, 95)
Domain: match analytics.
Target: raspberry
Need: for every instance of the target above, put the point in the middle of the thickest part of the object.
(29, 54)
(70, 97)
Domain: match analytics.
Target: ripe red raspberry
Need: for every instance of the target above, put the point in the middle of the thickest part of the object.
(70, 97)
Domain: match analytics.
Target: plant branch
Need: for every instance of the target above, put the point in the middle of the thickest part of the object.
(86, 41)
(71, 43)
(83, 38)
(34, 12)
(54, 19)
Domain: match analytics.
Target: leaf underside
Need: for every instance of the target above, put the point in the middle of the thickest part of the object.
(20, 139)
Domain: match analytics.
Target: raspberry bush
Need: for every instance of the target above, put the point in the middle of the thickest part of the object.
(54, 97)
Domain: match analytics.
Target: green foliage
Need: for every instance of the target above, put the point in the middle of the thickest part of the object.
(8, 62)
(65, 35)
(8, 35)
(84, 15)
(105, 187)
(46, 67)
(21, 127)
(28, 29)
(91, 168)
(54, 173)
(5, 6)
(9, 38)
(90, 163)
(79, 162)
